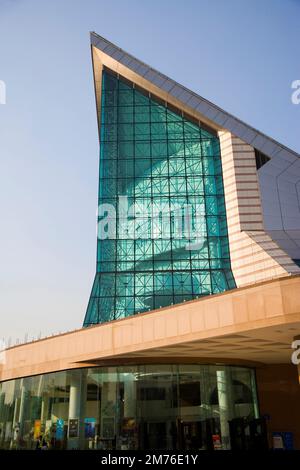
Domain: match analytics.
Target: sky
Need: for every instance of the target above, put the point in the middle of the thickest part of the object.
(242, 55)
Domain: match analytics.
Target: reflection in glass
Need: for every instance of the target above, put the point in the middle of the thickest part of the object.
(134, 407)
(159, 159)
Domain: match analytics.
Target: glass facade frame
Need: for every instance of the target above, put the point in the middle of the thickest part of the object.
(162, 162)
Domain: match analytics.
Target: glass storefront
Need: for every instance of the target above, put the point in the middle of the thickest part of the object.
(129, 407)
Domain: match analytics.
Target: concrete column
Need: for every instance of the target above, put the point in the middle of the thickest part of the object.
(15, 423)
(44, 409)
(22, 407)
(74, 398)
(77, 400)
(205, 390)
(225, 395)
(44, 401)
(129, 398)
(108, 409)
(254, 394)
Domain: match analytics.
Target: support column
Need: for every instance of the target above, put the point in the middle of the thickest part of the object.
(22, 407)
(225, 395)
(15, 423)
(129, 398)
(206, 408)
(108, 410)
(77, 400)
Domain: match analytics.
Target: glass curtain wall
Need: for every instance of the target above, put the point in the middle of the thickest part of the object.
(170, 242)
(133, 407)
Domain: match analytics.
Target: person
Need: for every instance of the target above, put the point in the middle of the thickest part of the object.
(38, 445)
(44, 444)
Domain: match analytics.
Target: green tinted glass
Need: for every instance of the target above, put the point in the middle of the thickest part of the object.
(169, 170)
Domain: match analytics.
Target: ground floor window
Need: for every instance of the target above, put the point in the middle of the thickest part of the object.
(129, 407)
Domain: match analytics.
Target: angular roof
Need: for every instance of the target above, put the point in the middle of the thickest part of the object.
(212, 114)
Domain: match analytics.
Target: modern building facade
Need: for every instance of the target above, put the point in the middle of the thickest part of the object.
(158, 163)
(196, 300)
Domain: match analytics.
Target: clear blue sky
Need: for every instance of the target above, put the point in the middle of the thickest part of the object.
(240, 54)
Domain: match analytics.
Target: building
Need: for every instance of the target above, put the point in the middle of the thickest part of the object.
(196, 300)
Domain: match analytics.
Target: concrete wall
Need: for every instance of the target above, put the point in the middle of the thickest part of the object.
(279, 397)
(255, 256)
(279, 181)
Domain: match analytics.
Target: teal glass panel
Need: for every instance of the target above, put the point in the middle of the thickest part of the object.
(174, 246)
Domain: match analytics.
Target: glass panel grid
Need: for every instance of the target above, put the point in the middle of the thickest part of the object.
(157, 158)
